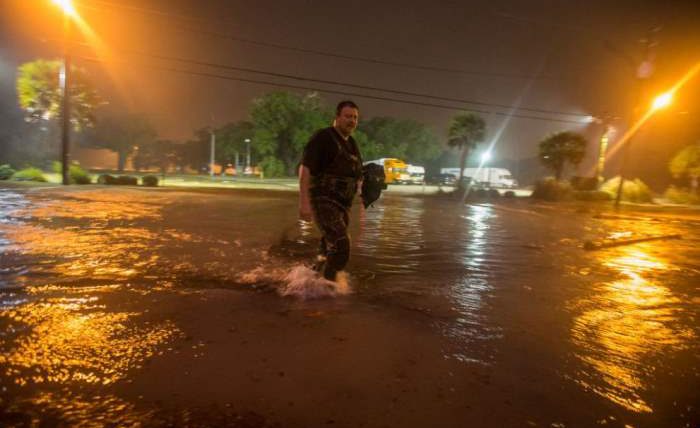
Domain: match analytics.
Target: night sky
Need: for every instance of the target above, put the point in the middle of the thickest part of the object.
(557, 60)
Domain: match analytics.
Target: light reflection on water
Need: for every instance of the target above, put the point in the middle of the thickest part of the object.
(448, 262)
(624, 323)
(420, 248)
(71, 336)
(395, 234)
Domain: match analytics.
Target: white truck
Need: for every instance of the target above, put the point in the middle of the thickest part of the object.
(489, 177)
(416, 174)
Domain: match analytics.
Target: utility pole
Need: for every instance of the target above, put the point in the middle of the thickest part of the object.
(644, 72)
(64, 79)
(247, 156)
(602, 148)
(211, 158)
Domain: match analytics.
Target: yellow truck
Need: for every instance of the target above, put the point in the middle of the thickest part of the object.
(395, 170)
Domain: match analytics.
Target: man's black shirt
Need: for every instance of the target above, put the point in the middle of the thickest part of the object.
(322, 149)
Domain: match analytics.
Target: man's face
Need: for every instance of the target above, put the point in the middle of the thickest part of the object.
(346, 121)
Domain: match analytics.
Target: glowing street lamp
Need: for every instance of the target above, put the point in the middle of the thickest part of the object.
(663, 100)
(67, 7)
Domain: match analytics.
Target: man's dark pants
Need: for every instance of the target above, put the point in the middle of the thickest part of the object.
(332, 219)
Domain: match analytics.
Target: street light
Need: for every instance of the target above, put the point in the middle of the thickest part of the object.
(67, 7)
(661, 101)
(247, 156)
(68, 13)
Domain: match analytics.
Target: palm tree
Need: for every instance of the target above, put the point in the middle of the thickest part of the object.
(39, 93)
(465, 132)
(561, 148)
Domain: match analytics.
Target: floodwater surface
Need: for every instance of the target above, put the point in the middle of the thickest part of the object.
(129, 307)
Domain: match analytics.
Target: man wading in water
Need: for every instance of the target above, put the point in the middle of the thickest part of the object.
(329, 177)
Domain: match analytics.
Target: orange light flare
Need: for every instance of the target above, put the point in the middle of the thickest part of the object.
(67, 7)
(93, 41)
(659, 102)
(85, 29)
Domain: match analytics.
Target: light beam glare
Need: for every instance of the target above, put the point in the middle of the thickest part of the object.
(98, 46)
(650, 112)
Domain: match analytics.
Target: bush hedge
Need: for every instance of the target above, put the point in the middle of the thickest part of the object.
(682, 196)
(584, 183)
(549, 189)
(29, 174)
(632, 190)
(149, 180)
(6, 172)
(127, 180)
(594, 195)
(76, 173)
(106, 179)
(124, 180)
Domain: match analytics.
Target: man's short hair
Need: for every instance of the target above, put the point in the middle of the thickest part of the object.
(343, 104)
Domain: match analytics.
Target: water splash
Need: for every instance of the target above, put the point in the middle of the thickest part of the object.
(306, 283)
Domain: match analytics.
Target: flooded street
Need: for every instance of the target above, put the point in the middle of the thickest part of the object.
(129, 307)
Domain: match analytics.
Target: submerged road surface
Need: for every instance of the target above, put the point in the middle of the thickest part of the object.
(129, 307)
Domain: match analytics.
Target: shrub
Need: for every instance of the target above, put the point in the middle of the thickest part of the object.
(149, 180)
(29, 174)
(272, 167)
(584, 183)
(76, 173)
(549, 189)
(632, 190)
(682, 196)
(106, 179)
(6, 172)
(595, 195)
(126, 180)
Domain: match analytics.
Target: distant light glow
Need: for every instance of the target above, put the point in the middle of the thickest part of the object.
(67, 7)
(635, 127)
(589, 119)
(485, 157)
(663, 100)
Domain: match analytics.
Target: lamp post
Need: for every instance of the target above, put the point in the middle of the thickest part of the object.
(247, 153)
(661, 101)
(64, 82)
(212, 150)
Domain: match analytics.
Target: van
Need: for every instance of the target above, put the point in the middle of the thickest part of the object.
(416, 174)
(487, 177)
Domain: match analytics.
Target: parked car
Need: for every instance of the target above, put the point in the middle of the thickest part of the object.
(442, 180)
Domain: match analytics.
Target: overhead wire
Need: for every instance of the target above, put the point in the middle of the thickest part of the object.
(305, 50)
(346, 84)
(332, 91)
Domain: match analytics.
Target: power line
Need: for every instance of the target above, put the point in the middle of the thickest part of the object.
(310, 51)
(333, 91)
(351, 85)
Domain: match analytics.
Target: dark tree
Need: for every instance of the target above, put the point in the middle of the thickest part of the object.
(465, 132)
(561, 148)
